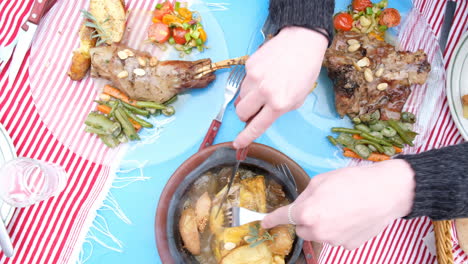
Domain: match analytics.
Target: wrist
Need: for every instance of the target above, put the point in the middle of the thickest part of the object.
(404, 176)
(309, 38)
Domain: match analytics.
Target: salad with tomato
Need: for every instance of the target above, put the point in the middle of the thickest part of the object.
(366, 17)
(176, 25)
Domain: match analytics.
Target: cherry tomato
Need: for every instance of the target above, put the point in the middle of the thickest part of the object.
(390, 17)
(203, 35)
(159, 32)
(343, 22)
(185, 13)
(361, 5)
(169, 19)
(179, 35)
(166, 8)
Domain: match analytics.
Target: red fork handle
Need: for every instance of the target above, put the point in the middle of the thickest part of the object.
(309, 254)
(211, 134)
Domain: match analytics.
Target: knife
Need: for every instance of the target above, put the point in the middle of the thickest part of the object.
(5, 242)
(26, 35)
(447, 24)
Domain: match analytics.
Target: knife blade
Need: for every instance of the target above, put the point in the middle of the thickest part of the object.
(25, 38)
(5, 242)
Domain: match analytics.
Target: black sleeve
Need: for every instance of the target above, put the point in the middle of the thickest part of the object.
(441, 182)
(312, 14)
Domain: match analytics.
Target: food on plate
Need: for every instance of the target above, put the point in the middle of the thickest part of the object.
(189, 232)
(465, 105)
(370, 75)
(143, 77)
(233, 245)
(118, 118)
(373, 139)
(109, 19)
(461, 225)
(103, 23)
(202, 209)
(177, 25)
(365, 17)
(81, 60)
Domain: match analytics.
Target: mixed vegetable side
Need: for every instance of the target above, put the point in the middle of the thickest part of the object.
(177, 25)
(118, 118)
(373, 139)
(365, 17)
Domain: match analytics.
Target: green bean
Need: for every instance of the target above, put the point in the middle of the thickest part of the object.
(406, 126)
(408, 117)
(396, 141)
(168, 111)
(376, 140)
(404, 136)
(379, 126)
(109, 141)
(127, 126)
(94, 130)
(363, 151)
(372, 148)
(332, 140)
(103, 123)
(356, 120)
(345, 139)
(135, 110)
(377, 146)
(376, 134)
(122, 138)
(345, 130)
(390, 151)
(362, 128)
(171, 100)
(146, 104)
(389, 132)
(140, 121)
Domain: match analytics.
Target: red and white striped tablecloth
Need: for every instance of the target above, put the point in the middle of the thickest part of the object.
(50, 232)
(404, 241)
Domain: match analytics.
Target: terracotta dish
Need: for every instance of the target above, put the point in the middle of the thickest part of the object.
(256, 151)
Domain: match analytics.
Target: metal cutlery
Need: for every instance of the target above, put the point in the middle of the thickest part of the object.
(26, 35)
(5, 242)
(233, 83)
(447, 24)
(237, 216)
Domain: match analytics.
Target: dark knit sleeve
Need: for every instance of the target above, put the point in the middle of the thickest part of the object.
(441, 182)
(312, 14)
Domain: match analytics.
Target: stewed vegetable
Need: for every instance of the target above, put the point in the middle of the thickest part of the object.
(375, 140)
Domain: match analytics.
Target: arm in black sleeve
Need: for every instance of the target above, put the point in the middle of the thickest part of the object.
(441, 182)
(312, 14)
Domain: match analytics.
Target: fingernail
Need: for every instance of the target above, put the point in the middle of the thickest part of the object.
(235, 145)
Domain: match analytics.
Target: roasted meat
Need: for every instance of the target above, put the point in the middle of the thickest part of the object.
(390, 73)
(143, 77)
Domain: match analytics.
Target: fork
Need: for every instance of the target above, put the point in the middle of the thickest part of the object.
(237, 216)
(233, 83)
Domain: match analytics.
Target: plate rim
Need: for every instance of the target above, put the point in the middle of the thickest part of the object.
(450, 86)
(6, 143)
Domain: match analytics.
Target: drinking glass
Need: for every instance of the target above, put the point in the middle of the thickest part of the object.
(25, 181)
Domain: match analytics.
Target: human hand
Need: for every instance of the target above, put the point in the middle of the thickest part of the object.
(279, 77)
(347, 207)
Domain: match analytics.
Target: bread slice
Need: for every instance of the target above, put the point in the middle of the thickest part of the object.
(111, 17)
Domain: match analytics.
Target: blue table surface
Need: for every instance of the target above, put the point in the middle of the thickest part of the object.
(299, 134)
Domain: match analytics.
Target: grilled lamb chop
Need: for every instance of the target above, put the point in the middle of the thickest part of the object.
(354, 95)
(143, 77)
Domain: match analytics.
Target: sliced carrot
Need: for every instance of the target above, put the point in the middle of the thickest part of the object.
(397, 149)
(357, 137)
(116, 93)
(104, 109)
(135, 124)
(347, 149)
(376, 157)
(350, 154)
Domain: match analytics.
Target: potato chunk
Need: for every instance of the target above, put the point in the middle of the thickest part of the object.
(249, 255)
(283, 241)
(202, 210)
(189, 232)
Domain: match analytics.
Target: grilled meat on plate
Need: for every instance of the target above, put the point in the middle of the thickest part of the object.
(143, 77)
(370, 75)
